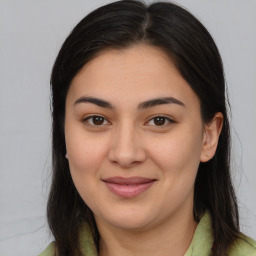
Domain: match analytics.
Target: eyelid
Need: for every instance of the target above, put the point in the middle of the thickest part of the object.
(168, 118)
(85, 120)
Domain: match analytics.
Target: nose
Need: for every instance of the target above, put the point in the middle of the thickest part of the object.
(126, 148)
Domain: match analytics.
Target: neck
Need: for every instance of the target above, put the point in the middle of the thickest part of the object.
(173, 236)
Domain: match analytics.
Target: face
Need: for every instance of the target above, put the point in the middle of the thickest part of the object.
(134, 138)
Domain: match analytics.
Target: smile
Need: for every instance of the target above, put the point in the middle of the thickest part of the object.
(128, 187)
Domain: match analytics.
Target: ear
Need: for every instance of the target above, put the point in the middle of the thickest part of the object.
(211, 135)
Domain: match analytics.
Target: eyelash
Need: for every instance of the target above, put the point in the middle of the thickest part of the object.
(166, 119)
(86, 120)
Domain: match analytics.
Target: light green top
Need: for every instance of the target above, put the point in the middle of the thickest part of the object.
(200, 246)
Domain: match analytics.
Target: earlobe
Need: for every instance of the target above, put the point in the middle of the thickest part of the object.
(211, 135)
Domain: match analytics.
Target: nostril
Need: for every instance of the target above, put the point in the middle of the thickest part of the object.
(126, 147)
(127, 158)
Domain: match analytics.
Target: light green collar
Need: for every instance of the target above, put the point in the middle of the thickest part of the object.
(88, 246)
(202, 241)
(200, 246)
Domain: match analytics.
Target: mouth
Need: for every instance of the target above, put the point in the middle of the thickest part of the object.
(128, 187)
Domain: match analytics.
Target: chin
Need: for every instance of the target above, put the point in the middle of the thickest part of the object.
(131, 225)
(130, 221)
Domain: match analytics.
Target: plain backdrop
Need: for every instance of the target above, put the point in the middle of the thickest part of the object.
(31, 33)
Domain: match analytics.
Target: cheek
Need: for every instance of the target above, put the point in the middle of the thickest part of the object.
(179, 153)
(85, 151)
(86, 155)
(177, 158)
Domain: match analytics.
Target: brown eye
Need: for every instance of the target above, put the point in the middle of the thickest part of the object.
(158, 121)
(96, 121)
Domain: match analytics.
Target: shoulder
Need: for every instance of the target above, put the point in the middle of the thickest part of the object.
(243, 246)
(87, 244)
(49, 251)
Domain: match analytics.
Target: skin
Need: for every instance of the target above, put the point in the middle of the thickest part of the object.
(129, 142)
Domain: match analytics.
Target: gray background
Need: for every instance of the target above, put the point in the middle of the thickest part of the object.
(31, 33)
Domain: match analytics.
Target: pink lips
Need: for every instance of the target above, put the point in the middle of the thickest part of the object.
(128, 187)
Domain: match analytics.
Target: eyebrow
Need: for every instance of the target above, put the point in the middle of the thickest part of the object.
(96, 101)
(159, 101)
(143, 105)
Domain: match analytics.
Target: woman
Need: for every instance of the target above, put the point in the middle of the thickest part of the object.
(141, 138)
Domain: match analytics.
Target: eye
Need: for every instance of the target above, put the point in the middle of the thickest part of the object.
(160, 121)
(95, 120)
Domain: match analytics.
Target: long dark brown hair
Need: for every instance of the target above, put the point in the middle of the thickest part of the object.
(189, 45)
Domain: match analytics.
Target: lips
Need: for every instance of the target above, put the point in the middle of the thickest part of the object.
(128, 187)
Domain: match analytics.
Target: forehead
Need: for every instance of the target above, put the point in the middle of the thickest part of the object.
(138, 61)
(135, 73)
